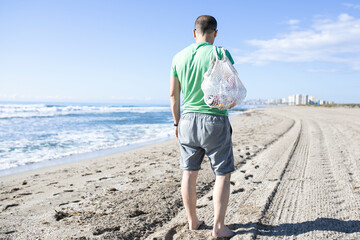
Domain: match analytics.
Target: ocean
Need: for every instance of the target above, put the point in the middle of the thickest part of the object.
(38, 135)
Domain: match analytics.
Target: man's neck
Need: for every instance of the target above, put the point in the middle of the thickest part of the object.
(204, 38)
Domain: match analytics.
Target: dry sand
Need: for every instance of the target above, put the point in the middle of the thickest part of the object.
(297, 177)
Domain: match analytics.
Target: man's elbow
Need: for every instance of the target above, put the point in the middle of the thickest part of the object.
(172, 95)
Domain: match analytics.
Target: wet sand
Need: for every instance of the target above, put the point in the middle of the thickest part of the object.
(297, 176)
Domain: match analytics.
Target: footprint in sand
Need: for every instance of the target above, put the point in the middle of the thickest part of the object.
(14, 190)
(52, 183)
(201, 206)
(10, 205)
(22, 194)
(238, 190)
(86, 174)
(248, 176)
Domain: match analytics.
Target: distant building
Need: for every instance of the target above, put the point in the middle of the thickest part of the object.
(271, 101)
(312, 100)
(304, 99)
(291, 100)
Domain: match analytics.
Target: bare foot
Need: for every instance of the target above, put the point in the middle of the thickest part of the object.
(223, 232)
(196, 226)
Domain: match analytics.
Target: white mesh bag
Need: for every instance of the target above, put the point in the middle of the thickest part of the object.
(221, 85)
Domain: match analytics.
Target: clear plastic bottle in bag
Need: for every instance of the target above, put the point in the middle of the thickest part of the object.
(221, 85)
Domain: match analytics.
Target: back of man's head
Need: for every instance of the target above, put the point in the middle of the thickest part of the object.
(205, 24)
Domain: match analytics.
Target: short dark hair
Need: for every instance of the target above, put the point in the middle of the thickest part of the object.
(205, 24)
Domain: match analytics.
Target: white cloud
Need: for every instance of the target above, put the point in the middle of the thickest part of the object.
(335, 41)
(320, 70)
(351, 5)
(293, 22)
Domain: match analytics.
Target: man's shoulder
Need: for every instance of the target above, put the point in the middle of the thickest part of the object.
(219, 51)
(184, 51)
(189, 51)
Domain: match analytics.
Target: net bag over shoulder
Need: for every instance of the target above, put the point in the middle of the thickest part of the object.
(221, 85)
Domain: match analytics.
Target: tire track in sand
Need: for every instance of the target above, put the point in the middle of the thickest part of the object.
(347, 153)
(309, 202)
(296, 188)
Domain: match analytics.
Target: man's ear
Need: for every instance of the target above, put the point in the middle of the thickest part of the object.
(215, 34)
(194, 33)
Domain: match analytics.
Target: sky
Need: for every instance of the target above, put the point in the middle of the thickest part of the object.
(121, 51)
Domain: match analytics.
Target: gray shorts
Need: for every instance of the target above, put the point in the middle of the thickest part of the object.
(201, 134)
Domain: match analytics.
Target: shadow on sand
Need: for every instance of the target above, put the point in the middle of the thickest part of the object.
(290, 229)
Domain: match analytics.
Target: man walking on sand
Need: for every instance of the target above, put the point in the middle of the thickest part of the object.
(201, 130)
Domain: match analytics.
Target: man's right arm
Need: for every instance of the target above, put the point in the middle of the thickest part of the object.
(175, 100)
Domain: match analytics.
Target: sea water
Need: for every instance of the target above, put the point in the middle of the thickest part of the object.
(39, 133)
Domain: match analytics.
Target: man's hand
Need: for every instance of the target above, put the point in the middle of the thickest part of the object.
(176, 132)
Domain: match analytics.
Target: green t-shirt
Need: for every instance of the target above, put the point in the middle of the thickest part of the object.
(189, 67)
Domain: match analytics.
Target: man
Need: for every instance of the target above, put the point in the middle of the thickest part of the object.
(201, 129)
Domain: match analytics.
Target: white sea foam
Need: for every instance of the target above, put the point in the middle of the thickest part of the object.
(43, 110)
(26, 151)
(38, 133)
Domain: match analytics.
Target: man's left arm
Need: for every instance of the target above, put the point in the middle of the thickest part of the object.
(175, 100)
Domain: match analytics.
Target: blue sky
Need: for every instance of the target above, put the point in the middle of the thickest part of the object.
(121, 51)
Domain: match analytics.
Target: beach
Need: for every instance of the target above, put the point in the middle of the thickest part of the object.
(297, 176)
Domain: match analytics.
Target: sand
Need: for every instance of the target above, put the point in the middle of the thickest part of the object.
(297, 177)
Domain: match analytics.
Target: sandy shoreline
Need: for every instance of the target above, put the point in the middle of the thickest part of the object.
(79, 158)
(279, 153)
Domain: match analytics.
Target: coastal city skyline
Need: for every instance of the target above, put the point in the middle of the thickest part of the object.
(115, 51)
(296, 99)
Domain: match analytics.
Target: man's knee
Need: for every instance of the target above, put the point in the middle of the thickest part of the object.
(224, 178)
(190, 174)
